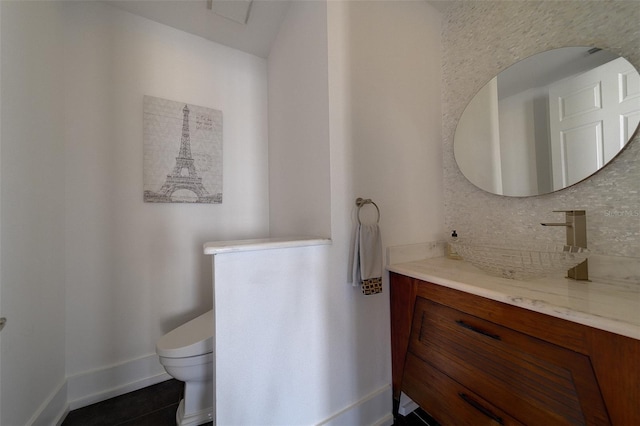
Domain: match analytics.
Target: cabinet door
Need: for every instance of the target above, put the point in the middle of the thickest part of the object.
(447, 400)
(532, 380)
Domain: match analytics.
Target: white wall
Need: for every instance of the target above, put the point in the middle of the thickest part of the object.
(384, 143)
(33, 208)
(298, 125)
(74, 75)
(384, 91)
(133, 270)
(393, 67)
(136, 270)
(273, 346)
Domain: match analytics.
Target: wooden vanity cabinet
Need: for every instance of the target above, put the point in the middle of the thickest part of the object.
(469, 360)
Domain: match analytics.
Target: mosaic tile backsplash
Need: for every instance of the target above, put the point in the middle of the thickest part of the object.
(480, 39)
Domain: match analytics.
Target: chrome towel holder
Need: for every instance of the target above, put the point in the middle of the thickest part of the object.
(361, 202)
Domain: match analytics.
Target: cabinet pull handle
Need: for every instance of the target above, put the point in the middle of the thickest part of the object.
(475, 404)
(477, 330)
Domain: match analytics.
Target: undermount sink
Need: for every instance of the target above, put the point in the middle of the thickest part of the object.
(520, 260)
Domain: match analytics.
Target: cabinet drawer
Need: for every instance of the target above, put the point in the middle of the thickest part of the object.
(532, 380)
(447, 401)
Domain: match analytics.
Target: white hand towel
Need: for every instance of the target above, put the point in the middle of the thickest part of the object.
(367, 259)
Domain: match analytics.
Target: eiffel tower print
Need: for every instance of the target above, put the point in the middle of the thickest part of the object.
(183, 184)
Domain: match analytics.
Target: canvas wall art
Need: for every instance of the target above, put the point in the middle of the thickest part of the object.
(182, 152)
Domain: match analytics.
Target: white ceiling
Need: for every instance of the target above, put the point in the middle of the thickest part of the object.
(194, 17)
(548, 67)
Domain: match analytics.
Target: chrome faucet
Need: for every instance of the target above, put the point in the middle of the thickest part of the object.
(576, 224)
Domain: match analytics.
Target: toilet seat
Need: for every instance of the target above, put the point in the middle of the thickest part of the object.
(187, 361)
(191, 339)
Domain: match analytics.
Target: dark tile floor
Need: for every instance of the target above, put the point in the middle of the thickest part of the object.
(156, 406)
(152, 406)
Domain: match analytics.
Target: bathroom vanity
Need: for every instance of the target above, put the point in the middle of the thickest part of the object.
(473, 349)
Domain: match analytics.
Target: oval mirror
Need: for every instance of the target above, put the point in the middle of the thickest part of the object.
(548, 122)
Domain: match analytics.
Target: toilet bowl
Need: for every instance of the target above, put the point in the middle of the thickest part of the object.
(186, 353)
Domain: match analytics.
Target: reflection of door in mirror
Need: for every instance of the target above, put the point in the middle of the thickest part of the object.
(592, 116)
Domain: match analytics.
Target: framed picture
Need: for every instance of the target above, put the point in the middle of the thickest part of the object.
(182, 152)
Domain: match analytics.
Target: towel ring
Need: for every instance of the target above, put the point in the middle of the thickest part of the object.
(361, 202)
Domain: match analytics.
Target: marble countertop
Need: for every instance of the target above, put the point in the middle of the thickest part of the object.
(609, 306)
(219, 247)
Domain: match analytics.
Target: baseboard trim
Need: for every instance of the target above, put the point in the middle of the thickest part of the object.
(98, 385)
(385, 421)
(82, 389)
(374, 409)
(62, 416)
(53, 410)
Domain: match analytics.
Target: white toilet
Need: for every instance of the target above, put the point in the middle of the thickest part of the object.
(187, 355)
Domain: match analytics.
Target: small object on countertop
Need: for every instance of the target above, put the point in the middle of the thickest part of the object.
(451, 252)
